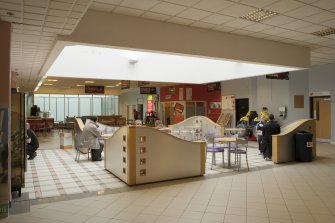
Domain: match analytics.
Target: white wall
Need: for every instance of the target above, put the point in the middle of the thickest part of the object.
(130, 98)
(322, 78)
(272, 94)
(242, 88)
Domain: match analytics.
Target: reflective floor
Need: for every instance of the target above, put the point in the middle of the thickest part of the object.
(293, 192)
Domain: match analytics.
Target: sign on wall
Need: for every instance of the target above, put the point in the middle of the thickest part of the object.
(94, 89)
(228, 102)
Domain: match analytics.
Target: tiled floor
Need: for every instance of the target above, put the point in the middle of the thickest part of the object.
(298, 192)
(55, 173)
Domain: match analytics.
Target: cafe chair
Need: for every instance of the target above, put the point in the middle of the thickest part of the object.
(213, 147)
(82, 150)
(240, 149)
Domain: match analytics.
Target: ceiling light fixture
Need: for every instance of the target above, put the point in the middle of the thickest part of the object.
(110, 86)
(259, 15)
(325, 32)
(48, 84)
(80, 85)
(52, 80)
(89, 82)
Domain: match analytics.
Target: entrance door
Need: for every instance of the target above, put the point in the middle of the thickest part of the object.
(242, 108)
(322, 114)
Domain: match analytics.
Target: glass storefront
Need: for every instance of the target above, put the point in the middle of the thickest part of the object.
(61, 106)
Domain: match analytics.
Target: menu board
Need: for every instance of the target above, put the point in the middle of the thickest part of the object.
(228, 102)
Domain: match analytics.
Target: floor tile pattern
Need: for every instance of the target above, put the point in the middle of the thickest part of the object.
(294, 193)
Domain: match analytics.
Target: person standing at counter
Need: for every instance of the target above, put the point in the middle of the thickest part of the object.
(31, 143)
(90, 138)
(269, 129)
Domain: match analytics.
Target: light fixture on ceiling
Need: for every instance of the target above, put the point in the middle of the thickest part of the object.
(110, 86)
(48, 84)
(52, 80)
(80, 85)
(89, 82)
(325, 32)
(259, 15)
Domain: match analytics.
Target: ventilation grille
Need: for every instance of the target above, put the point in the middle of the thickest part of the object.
(259, 15)
(325, 32)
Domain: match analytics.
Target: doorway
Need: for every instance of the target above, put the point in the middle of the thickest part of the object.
(242, 108)
(321, 112)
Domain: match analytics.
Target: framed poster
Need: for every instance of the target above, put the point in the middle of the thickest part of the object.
(213, 86)
(228, 102)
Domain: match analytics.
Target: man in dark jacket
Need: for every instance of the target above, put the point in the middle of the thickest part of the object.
(31, 143)
(269, 129)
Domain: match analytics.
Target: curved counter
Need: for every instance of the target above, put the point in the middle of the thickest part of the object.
(138, 154)
(283, 145)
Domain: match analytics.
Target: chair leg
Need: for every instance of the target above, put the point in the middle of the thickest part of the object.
(246, 158)
(213, 158)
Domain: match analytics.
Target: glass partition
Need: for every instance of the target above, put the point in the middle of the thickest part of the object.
(61, 106)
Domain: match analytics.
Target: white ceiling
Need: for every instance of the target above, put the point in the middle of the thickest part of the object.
(36, 23)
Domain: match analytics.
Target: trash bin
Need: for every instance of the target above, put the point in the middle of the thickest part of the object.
(65, 140)
(303, 146)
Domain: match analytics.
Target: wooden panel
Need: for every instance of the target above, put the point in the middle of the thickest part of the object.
(283, 146)
(299, 101)
(131, 155)
(324, 122)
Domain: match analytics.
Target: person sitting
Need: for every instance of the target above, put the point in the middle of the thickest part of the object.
(270, 128)
(31, 143)
(90, 138)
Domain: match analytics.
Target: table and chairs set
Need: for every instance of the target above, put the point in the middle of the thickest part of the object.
(232, 144)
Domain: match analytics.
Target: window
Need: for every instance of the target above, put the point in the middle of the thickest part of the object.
(60, 106)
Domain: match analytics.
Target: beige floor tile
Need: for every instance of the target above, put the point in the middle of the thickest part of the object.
(219, 209)
(279, 220)
(213, 217)
(236, 211)
(153, 210)
(145, 218)
(324, 218)
(235, 219)
(279, 214)
(192, 215)
(257, 212)
(296, 216)
(95, 219)
(252, 219)
(172, 212)
(166, 219)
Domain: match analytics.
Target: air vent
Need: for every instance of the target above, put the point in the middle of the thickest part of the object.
(259, 15)
(325, 32)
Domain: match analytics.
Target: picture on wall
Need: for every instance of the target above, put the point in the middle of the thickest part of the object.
(215, 105)
(94, 89)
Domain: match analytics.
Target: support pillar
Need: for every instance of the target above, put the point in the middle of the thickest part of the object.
(5, 104)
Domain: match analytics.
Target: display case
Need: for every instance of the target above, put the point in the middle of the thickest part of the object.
(139, 154)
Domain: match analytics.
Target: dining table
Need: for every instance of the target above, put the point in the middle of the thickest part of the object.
(228, 140)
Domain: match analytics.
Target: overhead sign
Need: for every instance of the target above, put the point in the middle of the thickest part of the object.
(94, 89)
(147, 90)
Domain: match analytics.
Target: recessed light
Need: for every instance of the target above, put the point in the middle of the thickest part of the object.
(52, 80)
(80, 85)
(325, 32)
(259, 15)
(110, 86)
(89, 82)
(48, 84)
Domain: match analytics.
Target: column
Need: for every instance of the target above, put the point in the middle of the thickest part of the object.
(5, 103)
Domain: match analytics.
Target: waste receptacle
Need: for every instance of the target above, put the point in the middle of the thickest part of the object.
(303, 146)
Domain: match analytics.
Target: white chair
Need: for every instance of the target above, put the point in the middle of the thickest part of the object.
(82, 150)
